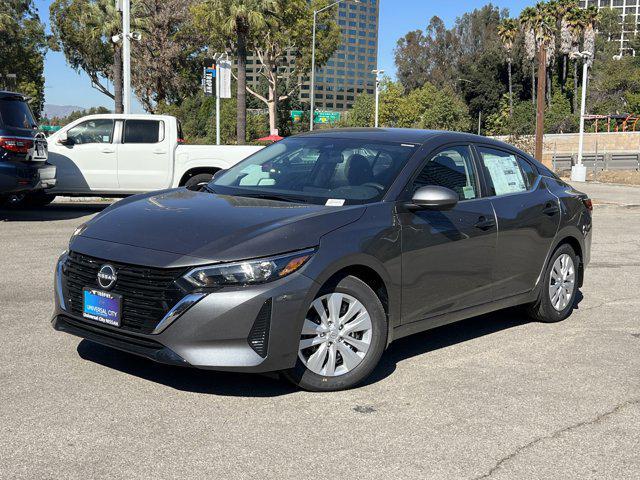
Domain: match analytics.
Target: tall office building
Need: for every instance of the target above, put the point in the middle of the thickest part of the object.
(348, 71)
(629, 11)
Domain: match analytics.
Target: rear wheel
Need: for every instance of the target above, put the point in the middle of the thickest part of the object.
(342, 339)
(37, 199)
(558, 292)
(197, 182)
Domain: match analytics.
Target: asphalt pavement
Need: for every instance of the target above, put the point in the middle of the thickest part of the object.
(491, 397)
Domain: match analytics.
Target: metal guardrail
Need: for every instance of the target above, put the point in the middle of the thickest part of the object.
(598, 162)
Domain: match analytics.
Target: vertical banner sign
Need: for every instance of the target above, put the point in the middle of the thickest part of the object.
(208, 79)
(224, 71)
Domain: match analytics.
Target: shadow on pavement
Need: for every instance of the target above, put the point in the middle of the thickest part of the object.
(251, 385)
(55, 211)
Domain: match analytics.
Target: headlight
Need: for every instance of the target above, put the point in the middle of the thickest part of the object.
(250, 272)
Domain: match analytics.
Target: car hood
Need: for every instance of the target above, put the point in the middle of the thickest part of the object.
(214, 227)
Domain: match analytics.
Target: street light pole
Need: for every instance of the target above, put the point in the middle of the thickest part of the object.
(377, 74)
(579, 171)
(126, 56)
(313, 69)
(312, 94)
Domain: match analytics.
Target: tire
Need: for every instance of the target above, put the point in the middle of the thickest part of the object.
(198, 181)
(37, 199)
(349, 337)
(549, 308)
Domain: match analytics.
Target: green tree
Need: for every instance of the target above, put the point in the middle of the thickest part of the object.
(82, 30)
(427, 107)
(166, 67)
(232, 26)
(283, 48)
(23, 44)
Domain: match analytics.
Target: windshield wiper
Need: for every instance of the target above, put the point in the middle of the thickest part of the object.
(270, 196)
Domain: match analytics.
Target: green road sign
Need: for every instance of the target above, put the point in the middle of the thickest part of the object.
(325, 116)
(49, 128)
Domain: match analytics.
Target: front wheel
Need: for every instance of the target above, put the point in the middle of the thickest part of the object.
(342, 339)
(558, 290)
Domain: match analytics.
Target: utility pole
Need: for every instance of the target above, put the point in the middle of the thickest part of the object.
(126, 55)
(377, 73)
(542, 85)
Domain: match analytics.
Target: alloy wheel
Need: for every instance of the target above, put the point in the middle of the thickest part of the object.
(562, 282)
(336, 335)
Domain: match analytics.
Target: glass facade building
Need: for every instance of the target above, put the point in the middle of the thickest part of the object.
(629, 12)
(348, 71)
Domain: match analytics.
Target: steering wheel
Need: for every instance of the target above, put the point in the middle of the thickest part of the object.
(374, 185)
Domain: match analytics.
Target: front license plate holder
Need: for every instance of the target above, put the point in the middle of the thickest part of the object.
(103, 307)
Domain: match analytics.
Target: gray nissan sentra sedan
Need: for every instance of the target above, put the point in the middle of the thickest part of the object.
(311, 256)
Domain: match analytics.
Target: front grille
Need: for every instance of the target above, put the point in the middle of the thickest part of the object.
(148, 293)
(259, 336)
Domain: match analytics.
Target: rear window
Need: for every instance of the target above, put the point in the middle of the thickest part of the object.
(143, 131)
(15, 113)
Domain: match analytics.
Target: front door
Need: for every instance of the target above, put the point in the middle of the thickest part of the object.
(88, 162)
(144, 156)
(528, 217)
(447, 255)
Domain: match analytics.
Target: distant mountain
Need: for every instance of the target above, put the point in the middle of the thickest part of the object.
(51, 111)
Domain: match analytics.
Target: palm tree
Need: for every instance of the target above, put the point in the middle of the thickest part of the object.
(507, 31)
(565, 12)
(230, 25)
(527, 20)
(103, 20)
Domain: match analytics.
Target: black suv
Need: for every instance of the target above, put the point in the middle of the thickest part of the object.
(24, 171)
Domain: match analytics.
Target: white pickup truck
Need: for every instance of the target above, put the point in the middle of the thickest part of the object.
(118, 155)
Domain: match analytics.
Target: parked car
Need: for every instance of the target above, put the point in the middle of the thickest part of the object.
(24, 170)
(311, 256)
(119, 155)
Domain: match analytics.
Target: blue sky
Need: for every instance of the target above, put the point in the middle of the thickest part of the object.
(65, 87)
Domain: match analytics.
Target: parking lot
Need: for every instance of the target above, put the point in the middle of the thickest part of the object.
(491, 397)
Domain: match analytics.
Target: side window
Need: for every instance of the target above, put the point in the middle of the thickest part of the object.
(91, 131)
(451, 168)
(143, 131)
(502, 172)
(530, 174)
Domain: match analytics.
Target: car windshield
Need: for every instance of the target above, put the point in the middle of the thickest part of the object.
(320, 170)
(14, 112)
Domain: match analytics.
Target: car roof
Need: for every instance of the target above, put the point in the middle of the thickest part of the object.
(6, 94)
(408, 135)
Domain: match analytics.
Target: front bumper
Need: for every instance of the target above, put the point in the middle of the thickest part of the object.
(18, 177)
(218, 332)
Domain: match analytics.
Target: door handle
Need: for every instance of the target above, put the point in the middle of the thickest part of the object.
(159, 152)
(550, 209)
(485, 223)
(108, 150)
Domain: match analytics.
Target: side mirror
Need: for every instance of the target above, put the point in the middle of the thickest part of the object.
(434, 197)
(63, 139)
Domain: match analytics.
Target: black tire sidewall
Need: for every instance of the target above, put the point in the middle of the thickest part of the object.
(193, 182)
(311, 381)
(550, 314)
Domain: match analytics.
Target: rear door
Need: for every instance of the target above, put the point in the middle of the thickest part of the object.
(447, 255)
(144, 156)
(88, 161)
(528, 217)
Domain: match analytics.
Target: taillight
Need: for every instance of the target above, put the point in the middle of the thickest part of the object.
(16, 145)
(181, 140)
(588, 204)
